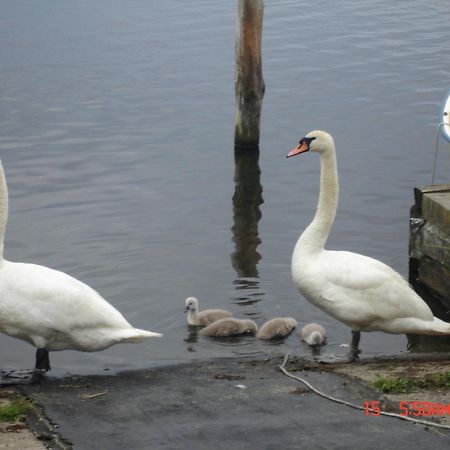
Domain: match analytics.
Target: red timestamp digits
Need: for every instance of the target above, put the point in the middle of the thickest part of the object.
(410, 408)
(372, 407)
(423, 409)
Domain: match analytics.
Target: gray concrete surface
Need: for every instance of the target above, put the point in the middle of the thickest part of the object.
(221, 404)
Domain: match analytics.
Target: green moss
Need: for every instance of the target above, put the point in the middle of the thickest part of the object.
(396, 385)
(443, 379)
(15, 411)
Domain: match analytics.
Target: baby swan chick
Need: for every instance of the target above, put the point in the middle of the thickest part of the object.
(203, 318)
(277, 328)
(229, 326)
(313, 334)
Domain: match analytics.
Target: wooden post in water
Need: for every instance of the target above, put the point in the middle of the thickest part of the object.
(249, 82)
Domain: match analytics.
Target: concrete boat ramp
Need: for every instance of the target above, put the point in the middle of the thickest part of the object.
(224, 404)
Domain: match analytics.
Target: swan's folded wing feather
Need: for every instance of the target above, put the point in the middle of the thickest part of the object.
(369, 287)
(46, 298)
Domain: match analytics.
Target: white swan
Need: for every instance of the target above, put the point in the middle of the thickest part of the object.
(277, 328)
(361, 292)
(313, 334)
(52, 310)
(203, 318)
(229, 326)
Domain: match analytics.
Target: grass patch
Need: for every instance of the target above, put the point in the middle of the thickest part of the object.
(444, 379)
(399, 384)
(15, 411)
(396, 385)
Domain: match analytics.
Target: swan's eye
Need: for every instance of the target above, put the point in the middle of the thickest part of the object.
(306, 140)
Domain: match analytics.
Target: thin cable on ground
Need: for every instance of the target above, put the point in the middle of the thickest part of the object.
(352, 405)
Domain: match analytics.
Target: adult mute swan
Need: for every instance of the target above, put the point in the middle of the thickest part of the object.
(205, 317)
(53, 311)
(361, 292)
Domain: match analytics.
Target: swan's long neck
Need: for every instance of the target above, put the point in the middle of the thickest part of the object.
(315, 236)
(3, 208)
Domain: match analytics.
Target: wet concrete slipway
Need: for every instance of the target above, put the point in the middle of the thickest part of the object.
(235, 403)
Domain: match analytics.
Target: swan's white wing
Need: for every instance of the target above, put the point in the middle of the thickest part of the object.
(364, 289)
(41, 301)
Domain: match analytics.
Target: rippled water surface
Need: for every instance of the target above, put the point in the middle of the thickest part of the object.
(116, 134)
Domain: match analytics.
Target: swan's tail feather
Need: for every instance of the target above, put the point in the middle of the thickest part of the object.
(135, 335)
(438, 327)
(418, 326)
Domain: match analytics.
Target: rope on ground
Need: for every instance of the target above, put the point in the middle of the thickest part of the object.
(352, 405)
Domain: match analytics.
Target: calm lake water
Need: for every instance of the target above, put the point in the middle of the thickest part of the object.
(116, 134)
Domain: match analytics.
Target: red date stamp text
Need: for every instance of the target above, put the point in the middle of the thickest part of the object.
(411, 408)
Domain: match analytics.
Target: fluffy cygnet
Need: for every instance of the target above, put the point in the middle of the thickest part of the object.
(203, 318)
(313, 334)
(277, 328)
(229, 327)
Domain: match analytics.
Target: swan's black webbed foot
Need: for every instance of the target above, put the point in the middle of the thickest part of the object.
(354, 356)
(38, 376)
(351, 356)
(35, 376)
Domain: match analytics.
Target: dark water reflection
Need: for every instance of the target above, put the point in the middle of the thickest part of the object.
(247, 199)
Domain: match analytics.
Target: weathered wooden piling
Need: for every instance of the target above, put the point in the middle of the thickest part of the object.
(429, 248)
(249, 82)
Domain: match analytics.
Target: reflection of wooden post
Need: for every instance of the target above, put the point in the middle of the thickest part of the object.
(249, 83)
(247, 199)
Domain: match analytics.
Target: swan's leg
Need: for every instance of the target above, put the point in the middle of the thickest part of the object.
(354, 352)
(350, 357)
(42, 360)
(42, 365)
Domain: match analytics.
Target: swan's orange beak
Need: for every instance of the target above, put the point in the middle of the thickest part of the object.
(303, 146)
